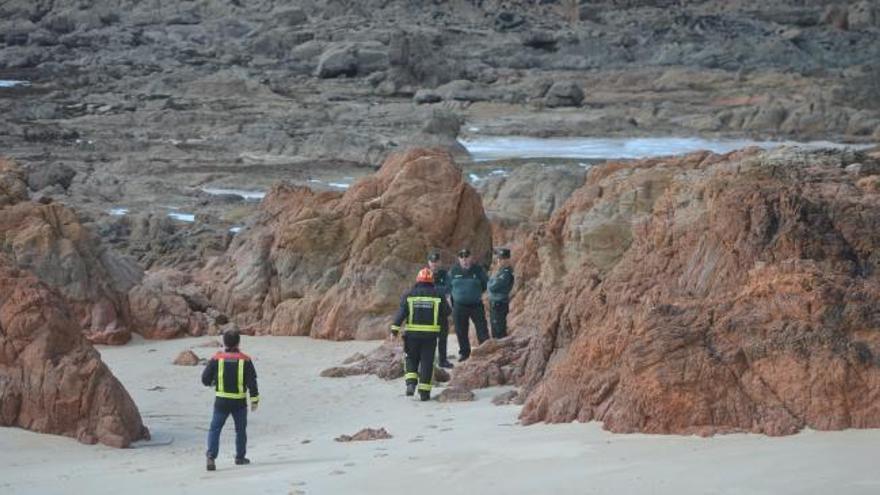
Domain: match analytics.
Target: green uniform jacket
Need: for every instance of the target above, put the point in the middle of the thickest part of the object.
(501, 284)
(467, 286)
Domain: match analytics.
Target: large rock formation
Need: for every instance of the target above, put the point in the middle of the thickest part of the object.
(50, 241)
(333, 265)
(703, 294)
(106, 293)
(51, 379)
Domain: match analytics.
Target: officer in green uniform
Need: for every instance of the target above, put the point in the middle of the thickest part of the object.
(467, 281)
(500, 285)
(424, 312)
(441, 283)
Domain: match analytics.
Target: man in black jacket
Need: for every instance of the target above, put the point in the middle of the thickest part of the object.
(424, 313)
(468, 282)
(441, 283)
(232, 374)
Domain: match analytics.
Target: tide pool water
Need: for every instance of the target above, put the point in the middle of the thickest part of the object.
(502, 147)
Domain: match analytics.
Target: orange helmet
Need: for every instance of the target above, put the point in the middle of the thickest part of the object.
(425, 275)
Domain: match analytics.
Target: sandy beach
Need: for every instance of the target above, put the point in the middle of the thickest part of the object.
(436, 448)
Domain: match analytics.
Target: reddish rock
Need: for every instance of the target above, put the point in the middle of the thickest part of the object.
(703, 294)
(187, 358)
(455, 394)
(49, 241)
(503, 399)
(167, 304)
(13, 183)
(386, 362)
(364, 435)
(332, 265)
(51, 379)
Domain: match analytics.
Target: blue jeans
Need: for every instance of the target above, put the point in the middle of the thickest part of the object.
(239, 417)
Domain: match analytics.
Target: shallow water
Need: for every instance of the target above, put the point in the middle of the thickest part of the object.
(11, 83)
(247, 195)
(183, 217)
(501, 147)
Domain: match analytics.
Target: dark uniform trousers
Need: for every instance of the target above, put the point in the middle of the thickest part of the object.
(498, 318)
(442, 344)
(461, 315)
(418, 359)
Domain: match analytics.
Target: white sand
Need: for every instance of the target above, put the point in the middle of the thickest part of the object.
(453, 449)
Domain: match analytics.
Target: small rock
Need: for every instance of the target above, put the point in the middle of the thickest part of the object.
(441, 375)
(423, 96)
(456, 394)
(365, 435)
(186, 358)
(506, 398)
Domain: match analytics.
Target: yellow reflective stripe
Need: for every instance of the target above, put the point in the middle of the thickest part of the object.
(425, 386)
(424, 328)
(255, 399)
(411, 376)
(220, 366)
(229, 395)
(241, 376)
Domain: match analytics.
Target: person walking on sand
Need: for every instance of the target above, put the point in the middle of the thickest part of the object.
(233, 376)
(500, 285)
(441, 282)
(467, 281)
(424, 314)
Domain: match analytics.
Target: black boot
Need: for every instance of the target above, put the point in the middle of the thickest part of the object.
(410, 389)
(424, 395)
(240, 461)
(210, 465)
(446, 364)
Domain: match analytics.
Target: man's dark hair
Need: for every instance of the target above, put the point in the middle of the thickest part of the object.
(231, 338)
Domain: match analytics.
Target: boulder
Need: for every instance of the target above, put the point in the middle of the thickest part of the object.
(334, 265)
(56, 173)
(352, 59)
(51, 379)
(187, 358)
(564, 94)
(167, 304)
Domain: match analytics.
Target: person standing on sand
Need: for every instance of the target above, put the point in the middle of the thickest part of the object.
(468, 281)
(233, 376)
(424, 312)
(500, 285)
(441, 282)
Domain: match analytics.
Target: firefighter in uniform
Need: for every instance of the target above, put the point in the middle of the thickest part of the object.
(423, 312)
(233, 376)
(467, 282)
(441, 283)
(500, 285)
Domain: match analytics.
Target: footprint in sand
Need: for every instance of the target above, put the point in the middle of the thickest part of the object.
(380, 455)
(336, 472)
(446, 420)
(349, 464)
(417, 439)
(446, 429)
(433, 427)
